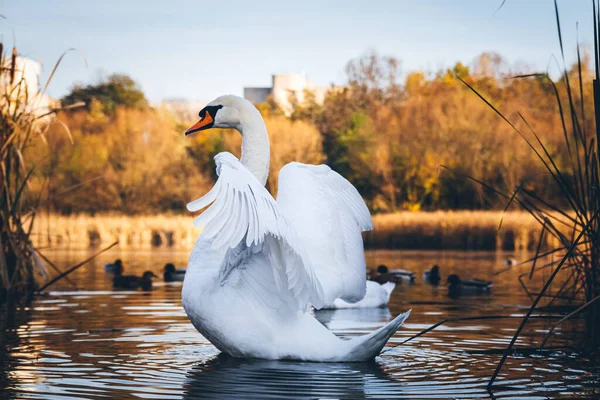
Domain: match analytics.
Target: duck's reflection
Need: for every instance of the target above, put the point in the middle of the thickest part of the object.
(229, 377)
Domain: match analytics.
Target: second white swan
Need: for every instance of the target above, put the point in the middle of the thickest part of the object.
(259, 264)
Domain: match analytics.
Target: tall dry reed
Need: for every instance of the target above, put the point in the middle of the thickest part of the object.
(578, 179)
(457, 230)
(448, 230)
(133, 232)
(22, 122)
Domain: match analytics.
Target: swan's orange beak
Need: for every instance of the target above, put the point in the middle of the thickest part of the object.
(204, 123)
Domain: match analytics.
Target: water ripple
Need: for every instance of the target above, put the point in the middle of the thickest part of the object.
(99, 344)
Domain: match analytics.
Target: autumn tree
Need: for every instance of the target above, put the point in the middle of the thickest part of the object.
(115, 91)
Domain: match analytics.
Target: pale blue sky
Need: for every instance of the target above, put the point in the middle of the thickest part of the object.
(201, 49)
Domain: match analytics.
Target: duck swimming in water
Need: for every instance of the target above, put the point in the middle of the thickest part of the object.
(170, 274)
(404, 274)
(458, 287)
(259, 264)
(432, 275)
(511, 261)
(114, 268)
(133, 282)
(382, 275)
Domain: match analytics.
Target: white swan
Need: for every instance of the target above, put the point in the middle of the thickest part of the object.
(378, 295)
(259, 263)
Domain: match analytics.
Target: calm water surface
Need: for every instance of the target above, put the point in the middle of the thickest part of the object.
(92, 342)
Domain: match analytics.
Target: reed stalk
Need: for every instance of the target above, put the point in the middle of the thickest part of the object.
(22, 121)
(578, 179)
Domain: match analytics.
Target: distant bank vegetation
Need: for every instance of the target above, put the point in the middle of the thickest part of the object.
(389, 138)
(441, 230)
(125, 170)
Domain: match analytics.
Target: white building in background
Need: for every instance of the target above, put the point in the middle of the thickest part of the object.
(24, 84)
(286, 88)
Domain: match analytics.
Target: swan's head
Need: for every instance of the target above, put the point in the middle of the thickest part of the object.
(223, 112)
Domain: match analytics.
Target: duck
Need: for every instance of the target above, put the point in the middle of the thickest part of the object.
(170, 274)
(378, 295)
(382, 275)
(133, 282)
(458, 287)
(260, 264)
(114, 268)
(511, 261)
(404, 274)
(432, 275)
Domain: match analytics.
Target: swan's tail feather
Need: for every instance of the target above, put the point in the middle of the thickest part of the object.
(388, 287)
(365, 348)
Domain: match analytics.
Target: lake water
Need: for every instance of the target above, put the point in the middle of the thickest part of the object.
(97, 343)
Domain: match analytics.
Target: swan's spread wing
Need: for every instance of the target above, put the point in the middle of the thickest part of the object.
(328, 215)
(244, 218)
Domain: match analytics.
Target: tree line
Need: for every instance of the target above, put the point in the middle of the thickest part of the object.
(406, 144)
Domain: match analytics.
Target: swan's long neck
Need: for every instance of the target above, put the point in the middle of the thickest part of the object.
(256, 153)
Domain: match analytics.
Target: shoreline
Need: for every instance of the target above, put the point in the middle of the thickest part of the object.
(438, 230)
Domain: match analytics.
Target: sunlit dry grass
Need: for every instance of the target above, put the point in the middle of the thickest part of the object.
(82, 231)
(468, 230)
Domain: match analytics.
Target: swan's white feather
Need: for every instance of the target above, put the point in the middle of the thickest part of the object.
(259, 263)
(378, 295)
(328, 215)
(261, 229)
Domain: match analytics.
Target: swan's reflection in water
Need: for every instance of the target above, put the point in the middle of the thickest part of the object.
(354, 320)
(229, 377)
